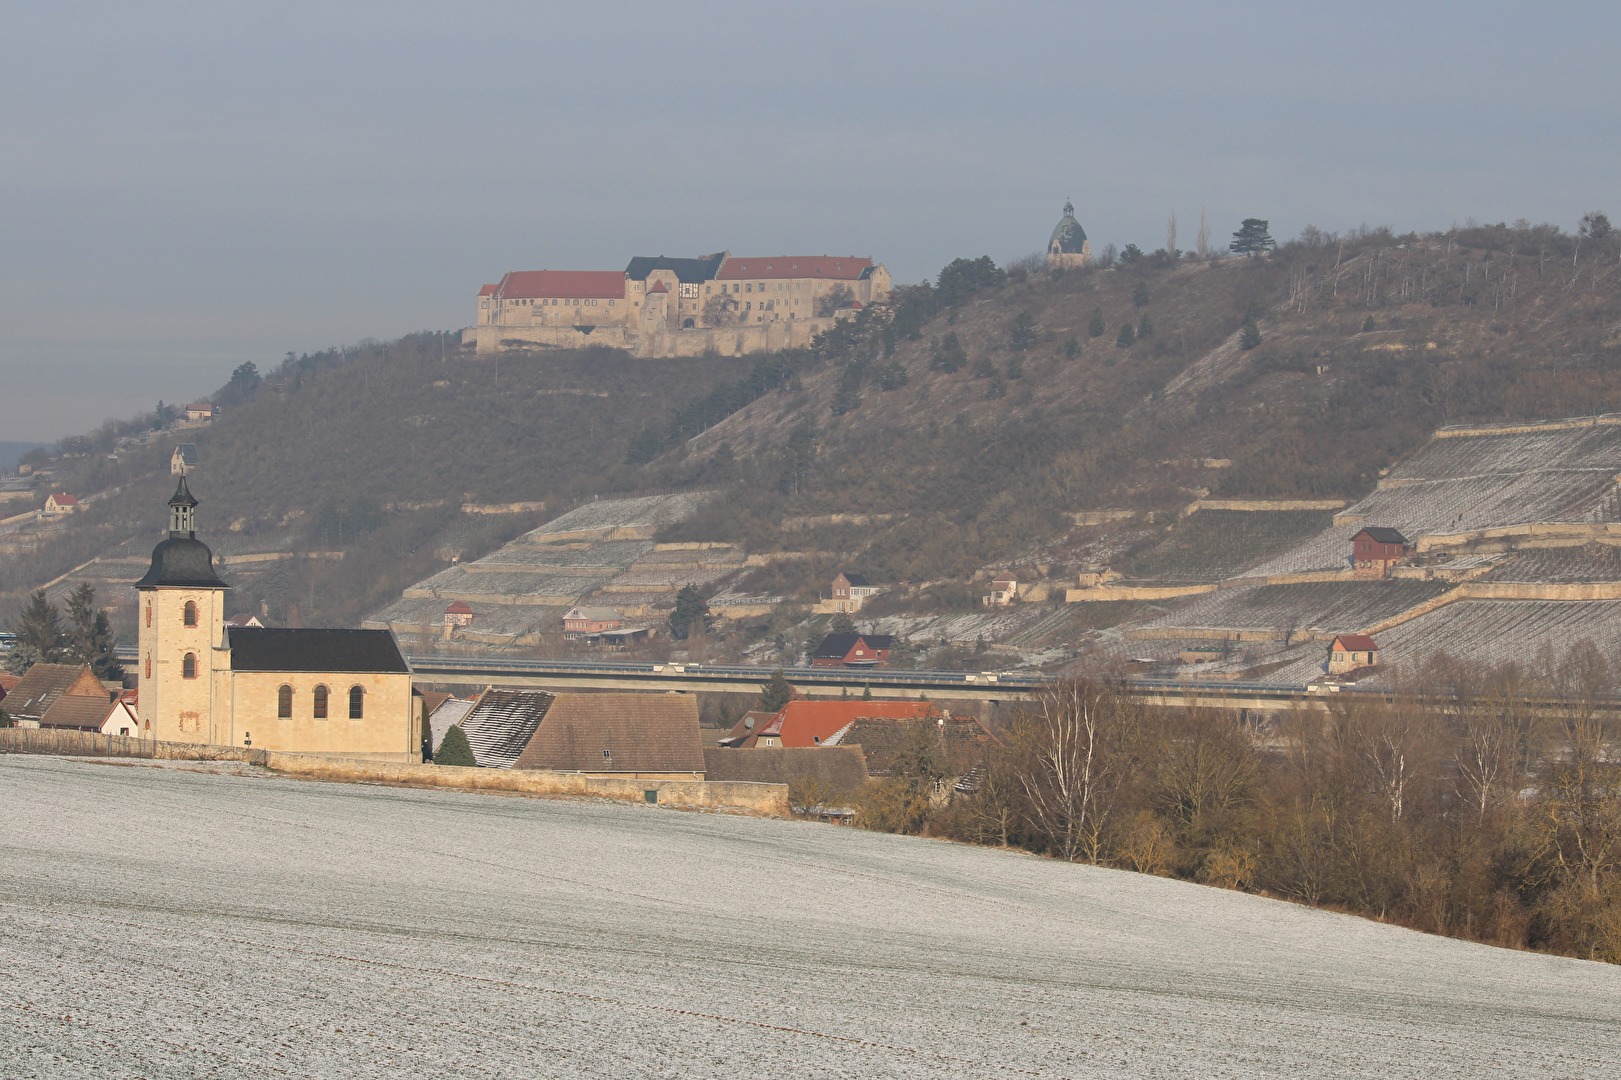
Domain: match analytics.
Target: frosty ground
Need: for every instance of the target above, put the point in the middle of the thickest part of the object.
(165, 921)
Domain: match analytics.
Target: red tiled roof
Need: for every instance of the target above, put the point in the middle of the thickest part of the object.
(459, 607)
(1354, 643)
(834, 267)
(562, 285)
(64, 499)
(488, 290)
(200, 406)
(658, 286)
(812, 723)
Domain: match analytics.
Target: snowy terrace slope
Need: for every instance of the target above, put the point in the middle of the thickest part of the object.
(1558, 472)
(1483, 633)
(164, 922)
(1331, 607)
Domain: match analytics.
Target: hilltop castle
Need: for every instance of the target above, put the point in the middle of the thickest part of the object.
(660, 306)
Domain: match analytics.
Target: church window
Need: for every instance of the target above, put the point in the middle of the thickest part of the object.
(191, 613)
(357, 702)
(188, 666)
(149, 614)
(149, 666)
(320, 702)
(284, 702)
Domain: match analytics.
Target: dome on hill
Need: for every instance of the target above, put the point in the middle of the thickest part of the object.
(1068, 237)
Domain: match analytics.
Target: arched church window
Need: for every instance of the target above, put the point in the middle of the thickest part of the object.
(191, 613)
(188, 666)
(357, 702)
(284, 702)
(149, 666)
(149, 615)
(320, 702)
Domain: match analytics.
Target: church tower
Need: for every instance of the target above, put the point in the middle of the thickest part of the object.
(1068, 245)
(182, 653)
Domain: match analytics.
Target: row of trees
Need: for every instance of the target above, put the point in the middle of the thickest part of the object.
(42, 637)
(1479, 812)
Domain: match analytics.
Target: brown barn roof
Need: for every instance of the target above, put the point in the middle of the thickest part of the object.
(617, 733)
(43, 684)
(79, 712)
(841, 769)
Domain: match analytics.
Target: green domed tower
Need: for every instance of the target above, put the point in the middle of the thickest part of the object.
(1068, 245)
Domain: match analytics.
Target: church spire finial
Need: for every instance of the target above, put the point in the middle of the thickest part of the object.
(183, 512)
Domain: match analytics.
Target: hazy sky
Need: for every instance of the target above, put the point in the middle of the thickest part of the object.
(184, 186)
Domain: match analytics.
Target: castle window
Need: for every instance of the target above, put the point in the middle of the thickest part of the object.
(320, 702)
(188, 666)
(191, 613)
(357, 702)
(284, 702)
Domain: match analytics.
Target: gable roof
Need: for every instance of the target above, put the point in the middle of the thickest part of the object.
(1353, 643)
(339, 651)
(78, 711)
(244, 620)
(62, 498)
(597, 733)
(841, 770)
(561, 284)
(833, 267)
(838, 646)
(8, 683)
(488, 290)
(687, 271)
(44, 684)
(858, 580)
(501, 723)
(446, 715)
(594, 614)
(1381, 535)
(821, 723)
(186, 452)
(458, 607)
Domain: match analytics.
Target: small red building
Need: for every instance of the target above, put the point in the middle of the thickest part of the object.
(1349, 652)
(581, 621)
(1375, 550)
(458, 613)
(853, 650)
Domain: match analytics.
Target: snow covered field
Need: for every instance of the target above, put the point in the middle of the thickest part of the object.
(168, 921)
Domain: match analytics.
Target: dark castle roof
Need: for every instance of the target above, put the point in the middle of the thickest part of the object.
(339, 651)
(687, 271)
(182, 561)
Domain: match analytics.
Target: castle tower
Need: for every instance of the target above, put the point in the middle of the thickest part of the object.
(1068, 245)
(182, 653)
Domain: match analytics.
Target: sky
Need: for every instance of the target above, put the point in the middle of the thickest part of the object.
(187, 186)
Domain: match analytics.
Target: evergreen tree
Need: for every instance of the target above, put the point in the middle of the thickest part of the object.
(1139, 295)
(1022, 332)
(40, 637)
(1252, 238)
(453, 749)
(1145, 326)
(842, 624)
(776, 692)
(1249, 336)
(948, 354)
(1097, 327)
(1130, 254)
(866, 693)
(90, 637)
(1015, 367)
(5, 719)
(984, 368)
(1072, 348)
(1126, 337)
(688, 616)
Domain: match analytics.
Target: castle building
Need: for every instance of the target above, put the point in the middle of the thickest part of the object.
(661, 307)
(1068, 245)
(342, 692)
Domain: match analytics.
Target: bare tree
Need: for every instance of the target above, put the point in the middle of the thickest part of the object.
(1170, 236)
(1202, 241)
(1072, 758)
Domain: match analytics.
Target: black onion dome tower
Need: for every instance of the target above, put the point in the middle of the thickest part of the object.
(182, 560)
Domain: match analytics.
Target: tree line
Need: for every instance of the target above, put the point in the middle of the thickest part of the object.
(1478, 810)
(86, 637)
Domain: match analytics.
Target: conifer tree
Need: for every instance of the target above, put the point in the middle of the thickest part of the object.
(90, 637)
(1126, 337)
(40, 637)
(776, 692)
(1252, 238)
(1097, 327)
(454, 750)
(1249, 336)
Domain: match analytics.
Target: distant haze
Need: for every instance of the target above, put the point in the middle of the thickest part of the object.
(188, 187)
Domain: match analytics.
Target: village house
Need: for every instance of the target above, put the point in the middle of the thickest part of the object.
(1004, 591)
(44, 686)
(183, 460)
(1375, 550)
(819, 723)
(638, 736)
(590, 621)
(59, 504)
(200, 412)
(458, 614)
(244, 622)
(853, 650)
(1352, 652)
(849, 592)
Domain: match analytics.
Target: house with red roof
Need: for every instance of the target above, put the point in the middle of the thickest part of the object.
(1376, 549)
(59, 504)
(1352, 652)
(820, 723)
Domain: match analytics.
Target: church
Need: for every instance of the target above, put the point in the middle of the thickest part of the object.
(1068, 245)
(339, 692)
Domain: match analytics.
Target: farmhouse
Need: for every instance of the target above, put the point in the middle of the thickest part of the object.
(820, 723)
(1375, 550)
(183, 460)
(1004, 591)
(584, 621)
(849, 591)
(59, 504)
(1351, 652)
(853, 650)
(201, 681)
(44, 686)
(641, 736)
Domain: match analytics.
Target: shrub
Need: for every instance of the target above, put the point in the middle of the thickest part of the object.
(453, 749)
